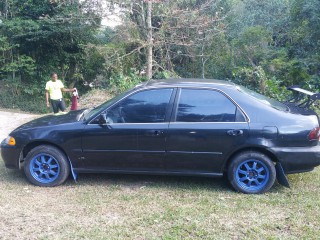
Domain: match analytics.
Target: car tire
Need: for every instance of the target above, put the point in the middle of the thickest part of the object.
(46, 166)
(251, 172)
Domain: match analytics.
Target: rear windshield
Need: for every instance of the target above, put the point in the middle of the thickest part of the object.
(266, 100)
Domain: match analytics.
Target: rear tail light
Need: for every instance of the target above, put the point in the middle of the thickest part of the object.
(314, 134)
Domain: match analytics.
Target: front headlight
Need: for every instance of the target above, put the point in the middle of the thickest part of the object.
(10, 141)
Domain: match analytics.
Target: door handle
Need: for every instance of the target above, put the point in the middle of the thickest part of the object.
(154, 133)
(235, 132)
(158, 132)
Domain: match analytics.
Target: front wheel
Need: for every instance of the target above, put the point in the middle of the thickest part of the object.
(251, 172)
(46, 166)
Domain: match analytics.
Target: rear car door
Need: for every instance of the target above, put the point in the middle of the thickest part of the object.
(206, 126)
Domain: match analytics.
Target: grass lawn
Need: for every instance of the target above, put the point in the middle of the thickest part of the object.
(156, 207)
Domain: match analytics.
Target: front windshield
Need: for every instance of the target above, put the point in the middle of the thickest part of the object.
(87, 114)
(266, 100)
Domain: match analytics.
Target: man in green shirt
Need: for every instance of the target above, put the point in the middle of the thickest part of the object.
(54, 89)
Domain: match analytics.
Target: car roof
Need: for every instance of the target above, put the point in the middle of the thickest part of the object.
(188, 82)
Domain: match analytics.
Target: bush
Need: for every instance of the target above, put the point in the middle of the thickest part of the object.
(120, 82)
(17, 94)
(23, 102)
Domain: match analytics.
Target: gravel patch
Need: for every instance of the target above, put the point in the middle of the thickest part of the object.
(11, 120)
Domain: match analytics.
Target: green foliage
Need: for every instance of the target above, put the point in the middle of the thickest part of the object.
(51, 34)
(11, 97)
(276, 90)
(43, 36)
(254, 78)
(120, 83)
(252, 45)
(23, 65)
(220, 64)
(165, 75)
(264, 45)
(290, 71)
(305, 22)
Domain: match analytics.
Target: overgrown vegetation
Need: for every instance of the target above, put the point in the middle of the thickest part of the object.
(265, 46)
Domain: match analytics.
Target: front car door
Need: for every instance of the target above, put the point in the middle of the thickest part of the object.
(205, 128)
(134, 137)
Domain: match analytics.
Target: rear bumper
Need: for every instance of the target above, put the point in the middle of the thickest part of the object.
(298, 159)
(10, 156)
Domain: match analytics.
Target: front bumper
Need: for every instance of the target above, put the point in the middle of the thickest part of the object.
(298, 159)
(10, 155)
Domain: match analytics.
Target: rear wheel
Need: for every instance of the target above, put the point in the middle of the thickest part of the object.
(46, 166)
(251, 172)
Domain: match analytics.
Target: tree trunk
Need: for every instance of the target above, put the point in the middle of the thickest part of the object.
(203, 61)
(150, 41)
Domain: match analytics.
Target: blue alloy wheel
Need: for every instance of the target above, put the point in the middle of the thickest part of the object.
(252, 175)
(44, 168)
(251, 172)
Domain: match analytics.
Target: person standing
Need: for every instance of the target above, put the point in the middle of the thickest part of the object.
(54, 89)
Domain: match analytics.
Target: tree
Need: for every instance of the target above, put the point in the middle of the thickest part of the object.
(171, 30)
(305, 35)
(52, 33)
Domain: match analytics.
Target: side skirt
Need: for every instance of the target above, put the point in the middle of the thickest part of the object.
(115, 171)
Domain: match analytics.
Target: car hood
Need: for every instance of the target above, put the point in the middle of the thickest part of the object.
(51, 120)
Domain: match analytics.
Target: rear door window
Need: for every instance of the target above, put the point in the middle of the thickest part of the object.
(202, 105)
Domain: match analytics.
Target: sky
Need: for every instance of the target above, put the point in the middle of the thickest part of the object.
(111, 19)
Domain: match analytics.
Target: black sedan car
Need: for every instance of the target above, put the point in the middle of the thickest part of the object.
(181, 127)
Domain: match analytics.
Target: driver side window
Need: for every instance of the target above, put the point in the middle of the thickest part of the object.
(149, 106)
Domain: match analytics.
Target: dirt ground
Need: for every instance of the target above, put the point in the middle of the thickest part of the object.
(11, 120)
